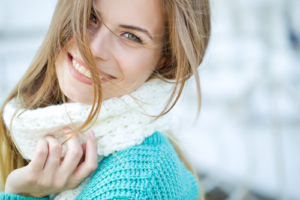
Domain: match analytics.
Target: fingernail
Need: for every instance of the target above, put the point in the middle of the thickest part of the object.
(92, 135)
(66, 129)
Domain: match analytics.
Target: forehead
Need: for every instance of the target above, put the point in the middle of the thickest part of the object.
(145, 14)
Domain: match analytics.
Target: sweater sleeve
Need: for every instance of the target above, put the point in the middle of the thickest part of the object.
(142, 172)
(4, 196)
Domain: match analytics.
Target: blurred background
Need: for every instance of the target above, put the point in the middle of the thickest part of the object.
(245, 144)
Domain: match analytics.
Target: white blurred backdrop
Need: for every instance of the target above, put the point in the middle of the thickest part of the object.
(246, 141)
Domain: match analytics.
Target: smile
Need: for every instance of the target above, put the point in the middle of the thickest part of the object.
(82, 70)
(83, 74)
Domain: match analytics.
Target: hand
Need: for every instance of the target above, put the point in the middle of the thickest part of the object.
(47, 173)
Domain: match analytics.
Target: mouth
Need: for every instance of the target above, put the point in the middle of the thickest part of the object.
(80, 72)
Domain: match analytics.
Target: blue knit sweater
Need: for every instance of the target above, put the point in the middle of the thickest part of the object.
(151, 170)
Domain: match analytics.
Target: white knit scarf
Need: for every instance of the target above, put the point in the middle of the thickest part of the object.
(121, 124)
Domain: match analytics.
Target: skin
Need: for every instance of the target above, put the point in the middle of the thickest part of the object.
(48, 174)
(127, 59)
(124, 57)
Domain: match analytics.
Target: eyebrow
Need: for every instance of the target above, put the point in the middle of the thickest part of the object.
(136, 29)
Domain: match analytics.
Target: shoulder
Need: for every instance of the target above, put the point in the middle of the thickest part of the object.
(149, 170)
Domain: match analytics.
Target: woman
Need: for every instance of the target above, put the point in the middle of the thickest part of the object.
(117, 68)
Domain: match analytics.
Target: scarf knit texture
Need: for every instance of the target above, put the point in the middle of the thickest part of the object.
(122, 123)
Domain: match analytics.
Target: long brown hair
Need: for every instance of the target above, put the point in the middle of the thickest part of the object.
(187, 35)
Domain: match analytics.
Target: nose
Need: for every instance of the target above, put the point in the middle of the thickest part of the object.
(99, 43)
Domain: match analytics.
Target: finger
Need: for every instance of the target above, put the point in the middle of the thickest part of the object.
(90, 163)
(40, 155)
(74, 152)
(54, 153)
(83, 148)
(83, 154)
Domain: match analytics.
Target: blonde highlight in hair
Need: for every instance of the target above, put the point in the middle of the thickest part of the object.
(187, 33)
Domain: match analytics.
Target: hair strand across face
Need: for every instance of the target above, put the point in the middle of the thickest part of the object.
(186, 37)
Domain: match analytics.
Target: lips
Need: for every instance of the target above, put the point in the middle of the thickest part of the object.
(80, 72)
(81, 69)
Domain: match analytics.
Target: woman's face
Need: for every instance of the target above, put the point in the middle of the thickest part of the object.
(127, 61)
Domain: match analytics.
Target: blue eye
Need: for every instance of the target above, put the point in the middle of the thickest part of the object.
(133, 37)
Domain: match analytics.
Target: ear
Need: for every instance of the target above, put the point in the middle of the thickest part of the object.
(164, 61)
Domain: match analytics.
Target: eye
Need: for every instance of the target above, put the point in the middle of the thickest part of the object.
(93, 18)
(133, 37)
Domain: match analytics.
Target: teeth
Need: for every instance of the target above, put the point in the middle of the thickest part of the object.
(82, 70)
(88, 74)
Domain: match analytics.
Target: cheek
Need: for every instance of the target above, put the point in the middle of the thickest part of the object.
(138, 64)
(72, 89)
(59, 63)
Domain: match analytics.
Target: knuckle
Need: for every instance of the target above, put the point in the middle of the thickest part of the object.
(42, 152)
(41, 148)
(76, 153)
(59, 184)
(64, 182)
(45, 183)
(56, 147)
(59, 181)
(32, 179)
(92, 166)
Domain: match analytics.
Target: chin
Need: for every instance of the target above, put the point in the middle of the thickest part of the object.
(82, 101)
(75, 96)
